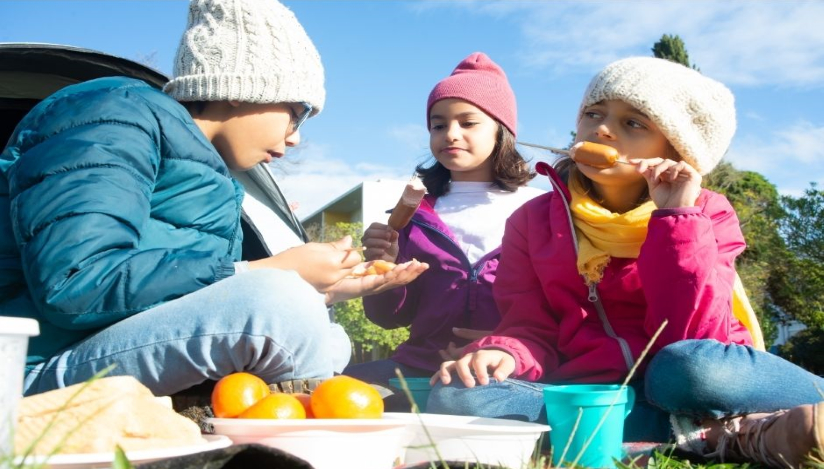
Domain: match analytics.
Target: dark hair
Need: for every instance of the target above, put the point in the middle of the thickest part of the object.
(195, 108)
(509, 169)
(566, 169)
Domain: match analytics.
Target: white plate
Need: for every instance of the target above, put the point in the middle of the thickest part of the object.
(263, 427)
(99, 460)
(468, 425)
(503, 442)
(325, 443)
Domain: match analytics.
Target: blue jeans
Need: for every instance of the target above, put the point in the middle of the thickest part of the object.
(268, 322)
(705, 378)
(522, 400)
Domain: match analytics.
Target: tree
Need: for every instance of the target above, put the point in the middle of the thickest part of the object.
(673, 49)
(756, 202)
(800, 285)
(369, 341)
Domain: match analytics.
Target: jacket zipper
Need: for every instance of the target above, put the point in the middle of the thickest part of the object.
(473, 271)
(593, 296)
(602, 314)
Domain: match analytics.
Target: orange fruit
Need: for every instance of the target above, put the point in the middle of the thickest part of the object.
(306, 401)
(275, 406)
(344, 397)
(235, 393)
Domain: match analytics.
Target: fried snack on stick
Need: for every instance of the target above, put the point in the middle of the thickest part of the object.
(594, 154)
(407, 205)
(376, 267)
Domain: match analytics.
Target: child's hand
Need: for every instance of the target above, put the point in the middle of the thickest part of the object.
(322, 265)
(350, 287)
(672, 184)
(480, 363)
(452, 351)
(381, 242)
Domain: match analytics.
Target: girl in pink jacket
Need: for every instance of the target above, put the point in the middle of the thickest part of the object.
(590, 271)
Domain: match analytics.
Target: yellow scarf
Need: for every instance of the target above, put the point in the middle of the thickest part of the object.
(602, 234)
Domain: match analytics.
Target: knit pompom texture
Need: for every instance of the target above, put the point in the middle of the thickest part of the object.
(251, 51)
(694, 112)
(483, 83)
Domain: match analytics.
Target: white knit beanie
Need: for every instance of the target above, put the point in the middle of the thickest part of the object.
(252, 51)
(694, 112)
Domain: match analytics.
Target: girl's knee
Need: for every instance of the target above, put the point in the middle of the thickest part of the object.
(684, 371)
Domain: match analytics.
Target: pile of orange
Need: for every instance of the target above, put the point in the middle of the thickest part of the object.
(243, 395)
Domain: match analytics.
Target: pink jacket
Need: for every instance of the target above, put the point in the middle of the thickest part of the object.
(550, 324)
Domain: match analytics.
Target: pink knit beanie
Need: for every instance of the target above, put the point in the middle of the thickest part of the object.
(480, 81)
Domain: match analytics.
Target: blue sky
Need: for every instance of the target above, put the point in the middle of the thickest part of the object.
(383, 57)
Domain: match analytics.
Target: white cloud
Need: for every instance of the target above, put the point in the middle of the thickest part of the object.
(737, 42)
(312, 179)
(790, 158)
(412, 136)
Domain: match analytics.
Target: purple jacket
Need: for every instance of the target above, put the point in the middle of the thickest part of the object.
(452, 293)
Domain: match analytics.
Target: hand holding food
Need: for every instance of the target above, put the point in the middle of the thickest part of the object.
(380, 242)
(363, 282)
(407, 205)
(672, 184)
(322, 265)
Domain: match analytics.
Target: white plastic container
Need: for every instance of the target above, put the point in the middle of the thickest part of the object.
(14, 340)
(502, 442)
(324, 443)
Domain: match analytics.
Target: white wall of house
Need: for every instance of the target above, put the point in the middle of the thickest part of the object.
(366, 202)
(787, 329)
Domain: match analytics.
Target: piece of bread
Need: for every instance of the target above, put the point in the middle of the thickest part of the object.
(108, 412)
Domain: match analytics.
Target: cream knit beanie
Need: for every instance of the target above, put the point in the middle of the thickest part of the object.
(694, 112)
(251, 51)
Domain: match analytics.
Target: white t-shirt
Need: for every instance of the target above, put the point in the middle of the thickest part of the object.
(476, 213)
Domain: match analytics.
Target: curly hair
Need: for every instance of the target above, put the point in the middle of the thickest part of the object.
(509, 169)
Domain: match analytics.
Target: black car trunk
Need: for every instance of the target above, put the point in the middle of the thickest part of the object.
(29, 72)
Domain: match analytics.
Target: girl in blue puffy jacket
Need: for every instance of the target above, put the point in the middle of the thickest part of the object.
(125, 234)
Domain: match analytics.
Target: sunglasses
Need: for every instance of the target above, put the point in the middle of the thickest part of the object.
(299, 119)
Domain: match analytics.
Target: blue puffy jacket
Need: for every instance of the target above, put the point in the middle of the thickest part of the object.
(111, 202)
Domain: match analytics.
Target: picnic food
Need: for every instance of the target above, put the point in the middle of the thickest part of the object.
(108, 412)
(236, 392)
(594, 154)
(407, 205)
(344, 397)
(275, 406)
(306, 401)
(376, 267)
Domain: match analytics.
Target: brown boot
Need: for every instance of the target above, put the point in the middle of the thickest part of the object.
(783, 439)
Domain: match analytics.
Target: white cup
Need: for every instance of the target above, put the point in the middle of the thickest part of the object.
(14, 340)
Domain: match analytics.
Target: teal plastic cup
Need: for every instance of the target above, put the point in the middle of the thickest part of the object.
(419, 387)
(594, 403)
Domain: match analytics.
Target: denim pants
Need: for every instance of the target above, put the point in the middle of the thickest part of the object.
(708, 379)
(523, 400)
(268, 322)
(700, 378)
